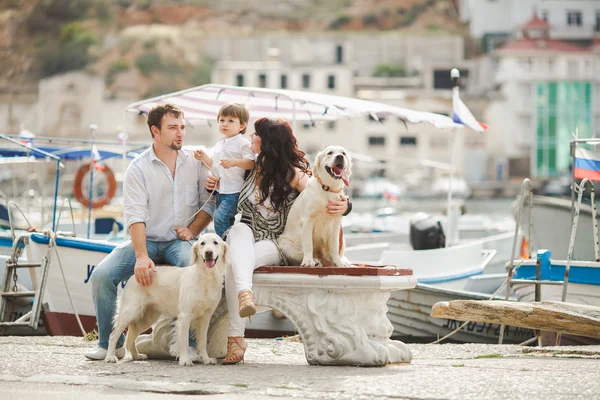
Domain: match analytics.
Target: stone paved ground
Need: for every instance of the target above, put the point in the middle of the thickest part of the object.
(54, 368)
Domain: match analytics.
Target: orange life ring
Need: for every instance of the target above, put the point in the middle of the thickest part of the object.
(101, 201)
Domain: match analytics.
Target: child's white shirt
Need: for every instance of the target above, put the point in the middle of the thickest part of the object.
(232, 178)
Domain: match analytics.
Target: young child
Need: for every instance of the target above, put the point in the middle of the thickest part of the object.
(231, 157)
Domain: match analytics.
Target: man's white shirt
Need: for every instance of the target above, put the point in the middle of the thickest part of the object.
(232, 178)
(153, 196)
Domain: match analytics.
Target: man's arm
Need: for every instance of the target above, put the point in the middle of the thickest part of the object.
(135, 198)
(143, 263)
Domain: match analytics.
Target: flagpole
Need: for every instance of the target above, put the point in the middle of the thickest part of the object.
(454, 75)
(92, 167)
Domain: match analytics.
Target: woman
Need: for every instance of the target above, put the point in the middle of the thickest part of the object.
(280, 174)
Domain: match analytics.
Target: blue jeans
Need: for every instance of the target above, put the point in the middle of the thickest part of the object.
(117, 267)
(225, 212)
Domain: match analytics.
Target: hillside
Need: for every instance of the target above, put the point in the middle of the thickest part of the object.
(134, 43)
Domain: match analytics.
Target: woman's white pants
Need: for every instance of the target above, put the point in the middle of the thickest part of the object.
(245, 256)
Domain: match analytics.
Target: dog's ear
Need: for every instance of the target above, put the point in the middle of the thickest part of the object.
(194, 258)
(349, 169)
(318, 162)
(225, 253)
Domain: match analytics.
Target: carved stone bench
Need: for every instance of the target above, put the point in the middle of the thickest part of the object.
(340, 313)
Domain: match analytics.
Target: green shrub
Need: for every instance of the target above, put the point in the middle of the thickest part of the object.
(103, 10)
(370, 19)
(339, 22)
(116, 67)
(201, 74)
(389, 70)
(56, 59)
(48, 14)
(149, 62)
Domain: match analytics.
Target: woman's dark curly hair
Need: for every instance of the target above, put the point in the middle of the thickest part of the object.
(278, 159)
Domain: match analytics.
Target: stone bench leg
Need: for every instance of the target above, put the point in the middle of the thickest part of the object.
(339, 327)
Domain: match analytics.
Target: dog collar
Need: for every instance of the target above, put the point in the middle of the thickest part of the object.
(325, 187)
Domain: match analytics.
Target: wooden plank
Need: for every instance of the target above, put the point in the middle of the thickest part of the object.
(354, 270)
(569, 318)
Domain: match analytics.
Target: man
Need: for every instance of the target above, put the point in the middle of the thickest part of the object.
(163, 188)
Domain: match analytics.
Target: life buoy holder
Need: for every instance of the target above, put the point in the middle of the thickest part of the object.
(100, 201)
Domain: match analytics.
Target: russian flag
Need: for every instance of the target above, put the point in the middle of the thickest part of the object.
(587, 164)
(462, 115)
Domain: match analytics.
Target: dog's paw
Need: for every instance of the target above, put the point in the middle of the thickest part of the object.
(185, 363)
(338, 263)
(139, 357)
(111, 359)
(208, 361)
(310, 262)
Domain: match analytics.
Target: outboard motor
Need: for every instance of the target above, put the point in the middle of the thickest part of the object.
(426, 232)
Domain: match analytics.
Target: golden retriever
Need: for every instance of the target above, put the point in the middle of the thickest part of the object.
(311, 236)
(191, 294)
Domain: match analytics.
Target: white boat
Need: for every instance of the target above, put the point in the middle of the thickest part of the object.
(552, 219)
(410, 314)
(583, 286)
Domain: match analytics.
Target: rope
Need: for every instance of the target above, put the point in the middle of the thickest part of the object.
(52, 244)
(467, 322)
(207, 200)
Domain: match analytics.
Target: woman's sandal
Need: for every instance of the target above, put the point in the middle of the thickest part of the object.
(236, 348)
(247, 307)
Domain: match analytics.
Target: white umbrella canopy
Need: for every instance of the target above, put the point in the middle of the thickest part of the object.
(203, 103)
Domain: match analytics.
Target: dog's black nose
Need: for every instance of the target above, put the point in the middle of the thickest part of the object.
(339, 159)
(208, 255)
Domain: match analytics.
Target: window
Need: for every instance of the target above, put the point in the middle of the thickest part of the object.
(239, 80)
(262, 80)
(339, 54)
(574, 18)
(441, 78)
(597, 25)
(376, 141)
(545, 15)
(331, 125)
(408, 141)
(331, 82)
(283, 81)
(306, 81)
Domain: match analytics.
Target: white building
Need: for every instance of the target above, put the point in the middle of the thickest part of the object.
(339, 67)
(495, 20)
(542, 90)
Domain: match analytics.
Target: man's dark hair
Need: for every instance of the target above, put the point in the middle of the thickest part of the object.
(159, 111)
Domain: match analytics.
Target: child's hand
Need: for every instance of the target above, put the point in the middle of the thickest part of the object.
(228, 163)
(200, 155)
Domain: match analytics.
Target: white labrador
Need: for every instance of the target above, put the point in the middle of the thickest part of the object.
(311, 236)
(191, 294)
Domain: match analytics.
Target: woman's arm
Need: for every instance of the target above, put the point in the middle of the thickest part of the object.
(300, 180)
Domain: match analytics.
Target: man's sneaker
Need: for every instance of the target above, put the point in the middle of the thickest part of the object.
(100, 354)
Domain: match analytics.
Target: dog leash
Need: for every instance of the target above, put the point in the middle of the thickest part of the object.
(205, 203)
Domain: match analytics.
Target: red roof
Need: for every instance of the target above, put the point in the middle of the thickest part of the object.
(536, 23)
(542, 45)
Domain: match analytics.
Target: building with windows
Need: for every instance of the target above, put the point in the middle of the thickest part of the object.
(494, 21)
(411, 72)
(542, 91)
